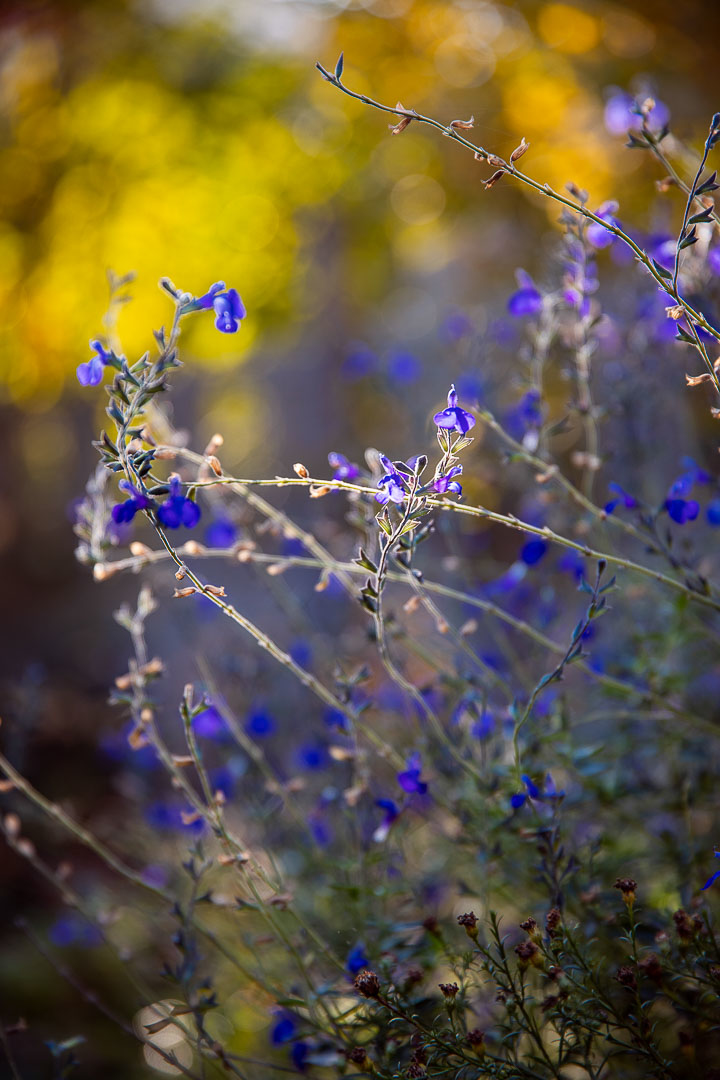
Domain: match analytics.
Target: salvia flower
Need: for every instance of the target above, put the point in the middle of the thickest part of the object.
(91, 372)
(357, 959)
(284, 1028)
(622, 113)
(621, 499)
(454, 418)
(443, 484)
(344, 469)
(177, 509)
(548, 793)
(125, 511)
(227, 305)
(526, 300)
(390, 816)
(391, 485)
(714, 877)
(682, 510)
(713, 512)
(409, 780)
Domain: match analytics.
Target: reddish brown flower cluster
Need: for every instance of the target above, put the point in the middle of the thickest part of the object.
(367, 984)
(626, 977)
(469, 921)
(552, 921)
(627, 887)
(527, 953)
(686, 925)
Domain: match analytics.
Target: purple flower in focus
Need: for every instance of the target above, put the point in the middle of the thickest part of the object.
(621, 499)
(446, 483)
(454, 418)
(126, 511)
(526, 300)
(344, 469)
(598, 236)
(228, 307)
(91, 372)
(393, 483)
(409, 780)
(177, 509)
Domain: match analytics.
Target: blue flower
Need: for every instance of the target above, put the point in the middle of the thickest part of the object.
(623, 115)
(221, 533)
(713, 512)
(454, 418)
(312, 756)
(126, 511)
(409, 780)
(336, 719)
(527, 415)
(391, 814)
(359, 362)
(344, 469)
(228, 307)
(73, 929)
(177, 509)
(598, 236)
(260, 724)
(283, 1029)
(533, 551)
(682, 510)
(223, 779)
(526, 300)
(161, 815)
(209, 724)
(392, 481)
(532, 791)
(714, 877)
(446, 483)
(713, 259)
(357, 959)
(91, 372)
(622, 498)
(404, 367)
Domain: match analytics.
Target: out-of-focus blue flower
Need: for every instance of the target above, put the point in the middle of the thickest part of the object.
(549, 792)
(621, 114)
(155, 875)
(455, 326)
(223, 779)
(447, 483)
(221, 533)
(336, 719)
(662, 247)
(344, 469)
(357, 959)
(409, 780)
(404, 366)
(527, 415)
(391, 814)
(714, 877)
(91, 372)
(359, 361)
(299, 1054)
(301, 652)
(209, 724)
(312, 756)
(177, 509)
(682, 510)
(73, 929)
(621, 498)
(161, 815)
(392, 482)
(484, 726)
(684, 484)
(283, 1029)
(320, 828)
(571, 562)
(126, 511)
(713, 512)
(598, 236)
(527, 299)
(454, 418)
(533, 551)
(260, 724)
(713, 259)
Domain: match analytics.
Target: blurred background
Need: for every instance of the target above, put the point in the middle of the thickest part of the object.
(197, 141)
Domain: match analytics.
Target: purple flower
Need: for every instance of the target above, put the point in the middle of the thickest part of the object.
(228, 307)
(260, 724)
(336, 719)
(209, 724)
(91, 372)
(409, 780)
(622, 114)
(598, 236)
(177, 509)
(714, 877)
(713, 512)
(454, 418)
(391, 815)
(393, 483)
(312, 756)
(344, 469)
(713, 259)
(404, 367)
(73, 929)
(527, 300)
(126, 511)
(283, 1029)
(446, 483)
(622, 498)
